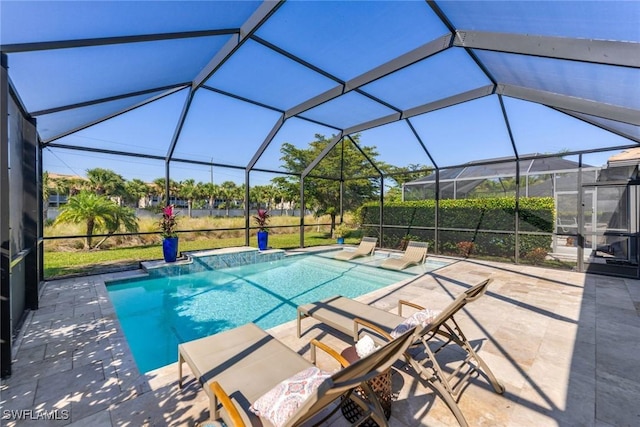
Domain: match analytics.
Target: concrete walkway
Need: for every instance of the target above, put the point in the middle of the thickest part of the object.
(566, 346)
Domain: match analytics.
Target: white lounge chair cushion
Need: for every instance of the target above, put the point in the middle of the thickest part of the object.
(282, 401)
(422, 317)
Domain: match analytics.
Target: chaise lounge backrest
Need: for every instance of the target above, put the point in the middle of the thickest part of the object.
(470, 295)
(353, 375)
(367, 244)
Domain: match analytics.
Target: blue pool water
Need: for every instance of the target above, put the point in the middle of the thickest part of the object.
(159, 313)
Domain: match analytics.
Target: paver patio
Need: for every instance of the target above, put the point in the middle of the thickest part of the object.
(566, 345)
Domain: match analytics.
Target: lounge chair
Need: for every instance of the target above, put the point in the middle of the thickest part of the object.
(367, 247)
(568, 225)
(238, 366)
(415, 254)
(349, 316)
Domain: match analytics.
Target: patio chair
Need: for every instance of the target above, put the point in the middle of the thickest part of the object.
(367, 247)
(415, 254)
(238, 366)
(349, 316)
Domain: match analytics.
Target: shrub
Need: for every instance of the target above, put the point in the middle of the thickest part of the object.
(536, 256)
(465, 248)
(474, 218)
(341, 230)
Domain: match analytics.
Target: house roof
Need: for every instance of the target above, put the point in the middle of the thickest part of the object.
(495, 168)
(626, 157)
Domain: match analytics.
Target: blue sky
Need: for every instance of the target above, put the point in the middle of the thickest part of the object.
(343, 38)
(481, 123)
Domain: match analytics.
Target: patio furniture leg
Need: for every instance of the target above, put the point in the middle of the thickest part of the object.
(300, 316)
(497, 385)
(450, 401)
(453, 333)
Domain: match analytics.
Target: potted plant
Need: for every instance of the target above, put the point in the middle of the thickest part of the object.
(262, 220)
(168, 226)
(340, 233)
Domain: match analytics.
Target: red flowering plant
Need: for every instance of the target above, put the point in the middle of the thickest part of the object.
(262, 219)
(168, 222)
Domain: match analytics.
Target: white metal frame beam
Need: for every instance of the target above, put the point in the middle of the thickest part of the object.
(580, 105)
(609, 52)
(422, 52)
(104, 41)
(264, 11)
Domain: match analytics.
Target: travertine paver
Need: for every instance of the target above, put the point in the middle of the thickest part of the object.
(566, 346)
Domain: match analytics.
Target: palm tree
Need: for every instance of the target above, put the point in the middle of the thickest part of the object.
(268, 194)
(238, 194)
(61, 187)
(123, 217)
(189, 191)
(254, 197)
(159, 187)
(211, 191)
(105, 182)
(287, 190)
(262, 194)
(228, 190)
(134, 190)
(76, 185)
(90, 208)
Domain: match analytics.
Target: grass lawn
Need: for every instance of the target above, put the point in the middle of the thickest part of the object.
(58, 264)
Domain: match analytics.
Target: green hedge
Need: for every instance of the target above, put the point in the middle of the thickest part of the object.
(536, 215)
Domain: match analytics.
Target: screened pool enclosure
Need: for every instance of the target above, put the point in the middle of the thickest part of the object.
(234, 93)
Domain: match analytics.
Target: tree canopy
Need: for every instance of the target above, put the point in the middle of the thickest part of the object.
(344, 163)
(97, 212)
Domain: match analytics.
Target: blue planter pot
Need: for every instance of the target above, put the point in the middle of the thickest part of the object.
(263, 240)
(170, 249)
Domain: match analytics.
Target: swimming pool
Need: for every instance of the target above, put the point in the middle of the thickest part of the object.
(159, 313)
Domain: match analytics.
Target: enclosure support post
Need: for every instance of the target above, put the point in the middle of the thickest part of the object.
(246, 207)
(167, 187)
(436, 237)
(517, 214)
(341, 182)
(381, 231)
(437, 195)
(174, 140)
(32, 210)
(580, 210)
(39, 238)
(302, 211)
(5, 283)
(381, 222)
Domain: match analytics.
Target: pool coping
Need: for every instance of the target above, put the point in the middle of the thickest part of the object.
(152, 266)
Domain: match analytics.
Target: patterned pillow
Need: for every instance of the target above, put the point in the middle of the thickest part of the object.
(422, 317)
(281, 402)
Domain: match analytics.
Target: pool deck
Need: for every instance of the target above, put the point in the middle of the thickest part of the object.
(566, 345)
